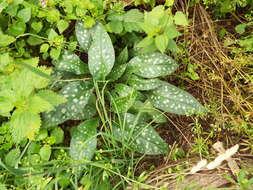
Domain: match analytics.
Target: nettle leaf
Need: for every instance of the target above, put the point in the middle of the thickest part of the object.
(84, 141)
(141, 136)
(70, 62)
(78, 95)
(139, 83)
(174, 100)
(101, 54)
(83, 36)
(24, 124)
(122, 98)
(50, 96)
(152, 65)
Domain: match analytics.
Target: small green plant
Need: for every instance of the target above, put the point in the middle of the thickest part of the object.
(242, 182)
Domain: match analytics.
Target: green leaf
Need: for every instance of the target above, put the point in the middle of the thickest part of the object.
(78, 95)
(171, 31)
(6, 40)
(58, 134)
(147, 41)
(12, 157)
(140, 136)
(117, 72)
(70, 62)
(139, 83)
(34, 41)
(174, 100)
(44, 48)
(25, 14)
(62, 25)
(101, 54)
(37, 26)
(122, 98)
(55, 53)
(115, 26)
(17, 28)
(152, 65)
(37, 104)
(180, 19)
(161, 42)
(50, 96)
(83, 36)
(7, 101)
(45, 152)
(84, 140)
(24, 124)
(123, 56)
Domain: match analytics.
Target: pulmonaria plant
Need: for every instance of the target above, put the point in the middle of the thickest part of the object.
(131, 87)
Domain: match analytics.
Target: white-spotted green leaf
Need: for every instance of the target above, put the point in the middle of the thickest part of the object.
(140, 136)
(174, 100)
(101, 54)
(117, 72)
(84, 140)
(78, 95)
(83, 36)
(123, 56)
(152, 65)
(139, 83)
(70, 62)
(122, 98)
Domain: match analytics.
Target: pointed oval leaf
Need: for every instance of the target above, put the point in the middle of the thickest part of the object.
(101, 54)
(152, 65)
(143, 84)
(141, 136)
(78, 95)
(174, 100)
(117, 72)
(84, 141)
(83, 36)
(70, 62)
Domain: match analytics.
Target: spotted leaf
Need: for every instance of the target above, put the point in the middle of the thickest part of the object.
(78, 95)
(70, 62)
(139, 83)
(84, 141)
(140, 136)
(122, 98)
(117, 72)
(101, 54)
(83, 36)
(152, 65)
(174, 100)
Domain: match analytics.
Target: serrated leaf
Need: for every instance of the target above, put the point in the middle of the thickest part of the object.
(180, 19)
(152, 65)
(51, 97)
(70, 62)
(7, 101)
(77, 95)
(37, 104)
(139, 83)
(161, 42)
(122, 98)
(83, 36)
(174, 100)
(101, 54)
(84, 141)
(140, 136)
(24, 124)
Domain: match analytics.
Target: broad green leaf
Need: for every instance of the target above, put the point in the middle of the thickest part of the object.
(123, 56)
(115, 26)
(70, 62)
(45, 152)
(161, 42)
(62, 25)
(152, 65)
(58, 134)
(84, 140)
(37, 26)
(83, 36)
(139, 83)
(6, 40)
(24, 124)
(153, 17)
(50, 96)
(122, 98)
(180, 19)
(25, 14)
(174, 100)
(36, 104)
(132, 20)
(117, 72)
(44, 48)
(17, 28)
(171, 31)
(34, 41)
(240, 28)
(141, 136)
(7, 101)
(145, 42)
(101, 54)
(55, 53)
(12, 157)
(78, 95)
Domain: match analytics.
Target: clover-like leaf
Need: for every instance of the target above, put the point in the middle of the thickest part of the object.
(122, 98)
(83, 36)
(70, 62)
(101, 54)
(152, 65)
(174, 100)
(140, 136)
(84, 141)
(139, 83)
(78, 95)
